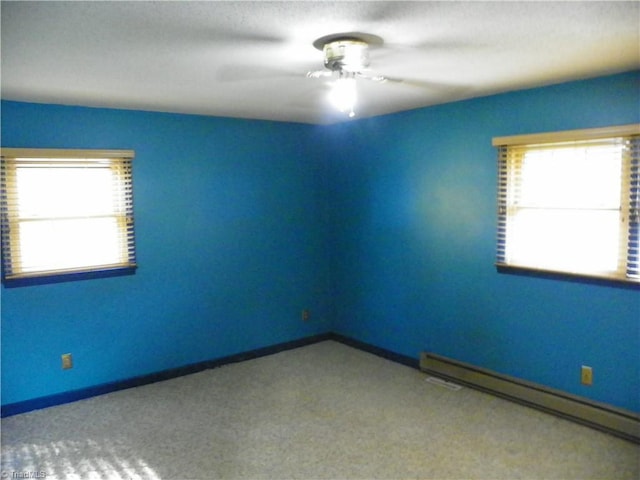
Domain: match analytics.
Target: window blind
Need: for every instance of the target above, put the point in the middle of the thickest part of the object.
(633, 246)
(66, 211)
(570, 206)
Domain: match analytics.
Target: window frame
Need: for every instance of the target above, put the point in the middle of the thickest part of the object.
(630, 203)
(119, 160)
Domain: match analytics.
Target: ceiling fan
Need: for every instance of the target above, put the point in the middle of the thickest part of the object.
(346, 57)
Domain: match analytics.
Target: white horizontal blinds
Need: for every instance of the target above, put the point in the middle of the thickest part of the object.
(66, 214)
(126, 177)
(503, 189)
(633, 247)
(561, 207)
(5, 232)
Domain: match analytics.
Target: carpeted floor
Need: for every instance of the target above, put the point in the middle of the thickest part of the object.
(325, 411)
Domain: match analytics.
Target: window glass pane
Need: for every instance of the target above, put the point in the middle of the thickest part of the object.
(571, 177)
(61, 244)
(45, 192)
(574, 241)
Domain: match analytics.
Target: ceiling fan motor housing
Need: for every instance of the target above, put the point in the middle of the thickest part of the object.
(349, 55)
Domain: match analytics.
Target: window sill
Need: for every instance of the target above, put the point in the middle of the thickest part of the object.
(569, 277)
(67, 277)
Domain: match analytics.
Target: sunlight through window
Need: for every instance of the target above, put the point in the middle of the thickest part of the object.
(565, 214)
(77, 459)
(66, 213)
(570, 206)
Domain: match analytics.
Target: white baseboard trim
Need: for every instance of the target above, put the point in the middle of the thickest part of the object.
(613, 420)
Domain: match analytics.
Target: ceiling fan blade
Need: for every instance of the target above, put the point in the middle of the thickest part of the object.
(381, 11)
(207, 31)
(423, 84)
(239, 73)
(251, 37)
(319, 74)
(375, 78)
(428, 50)
(403, 81)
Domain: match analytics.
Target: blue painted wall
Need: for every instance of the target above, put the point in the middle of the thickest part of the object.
(230, 239)
(383, 227)
(413, 232)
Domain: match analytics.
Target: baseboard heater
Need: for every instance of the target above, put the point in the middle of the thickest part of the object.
(619, 422)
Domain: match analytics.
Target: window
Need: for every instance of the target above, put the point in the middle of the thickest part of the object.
(66, 212)
(568, 202)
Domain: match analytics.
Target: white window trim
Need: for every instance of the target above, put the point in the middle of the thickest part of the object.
(568, 135)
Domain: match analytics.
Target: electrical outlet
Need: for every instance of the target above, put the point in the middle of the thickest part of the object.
(586, 375)
(305, 315)
(67, 361)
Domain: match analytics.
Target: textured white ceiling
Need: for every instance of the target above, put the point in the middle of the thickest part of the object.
(250, 59)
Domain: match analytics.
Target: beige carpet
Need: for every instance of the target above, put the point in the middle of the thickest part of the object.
(325, 411)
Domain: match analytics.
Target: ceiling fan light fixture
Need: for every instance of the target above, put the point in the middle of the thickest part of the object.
(349, 55)
(346, 54)
(343, 95)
